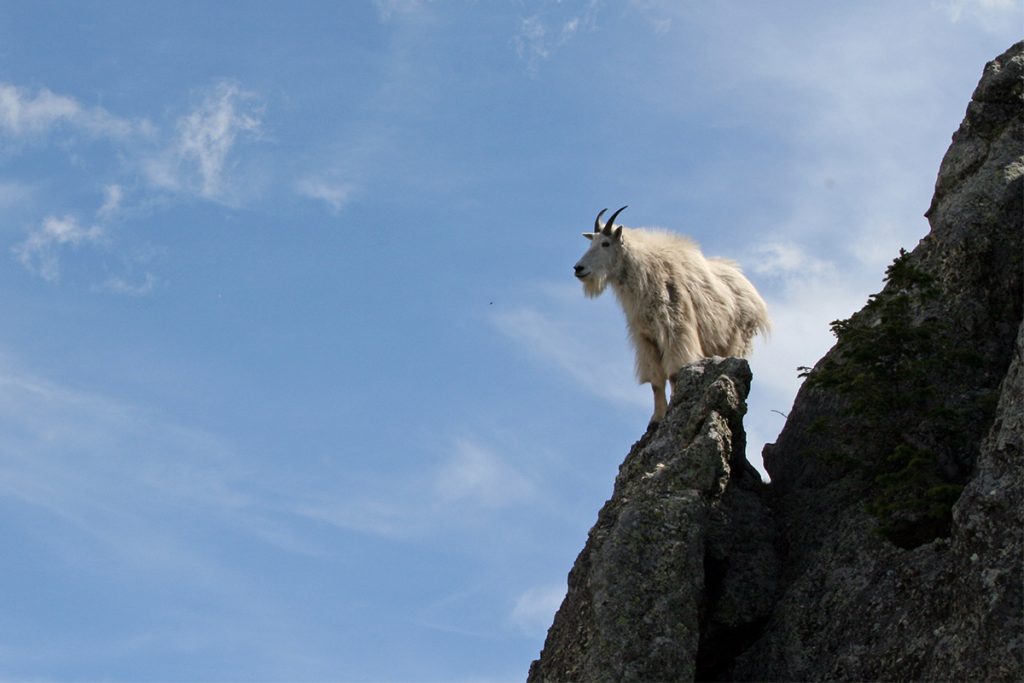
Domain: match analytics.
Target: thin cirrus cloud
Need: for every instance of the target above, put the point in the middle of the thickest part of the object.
(40, 252)
(198, 159)
(24, 113)
(47, 244)
(535, 607)
(990, 14)
(389, 9)
(555, 335)
(335, 193)
(113, 198)
(544, 32)
(471, 480)
(99, 467)
(124, 491)
(133, 487)
(117, 284)
(476, 476)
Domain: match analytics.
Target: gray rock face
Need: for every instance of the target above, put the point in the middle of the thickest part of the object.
(854, 606)
(637, 607)
(696, 570)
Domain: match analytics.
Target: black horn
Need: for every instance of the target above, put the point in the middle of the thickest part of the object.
(611, 221)
(597, 221)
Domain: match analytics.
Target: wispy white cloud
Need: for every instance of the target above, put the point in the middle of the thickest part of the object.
(118, 284)
(477, 476)
(133, 487)
(655, 14)
(25, 113)
(22, 113)
(470, 482)
(535, 609)
(335, 193)
(46, 246)
(40, 251)
(14, 193)
(550, 28)
(390, 9)
(387, 515)
(591, 355)
(198, 159)
(804, 294)
(105, 469)
(787, 261)
(530, 41)
(110, 489)
(206, 135)
(113, 197)
(992, 15)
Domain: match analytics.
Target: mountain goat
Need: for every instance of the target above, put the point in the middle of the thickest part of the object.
(679, 305)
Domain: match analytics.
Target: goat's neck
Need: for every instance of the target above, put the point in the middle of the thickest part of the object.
(620, 279)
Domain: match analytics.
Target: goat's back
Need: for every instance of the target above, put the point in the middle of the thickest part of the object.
(710, 294)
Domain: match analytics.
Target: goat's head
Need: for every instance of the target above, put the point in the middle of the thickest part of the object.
(601, 260)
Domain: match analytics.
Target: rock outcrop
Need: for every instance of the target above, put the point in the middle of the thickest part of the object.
(890, 543)
(686, 512)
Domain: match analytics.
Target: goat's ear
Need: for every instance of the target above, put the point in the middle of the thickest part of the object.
(618, 233)
(588, 235)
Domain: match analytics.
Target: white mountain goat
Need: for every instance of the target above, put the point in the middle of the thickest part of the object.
(679, 305)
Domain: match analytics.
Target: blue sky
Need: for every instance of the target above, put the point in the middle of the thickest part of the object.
(295, 380)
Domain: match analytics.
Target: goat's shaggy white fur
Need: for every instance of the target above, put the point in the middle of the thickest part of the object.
(679, 305)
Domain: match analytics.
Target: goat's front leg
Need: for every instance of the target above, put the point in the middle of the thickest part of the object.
(660, 403)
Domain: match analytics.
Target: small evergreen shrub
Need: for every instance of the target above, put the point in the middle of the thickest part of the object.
(888, 362)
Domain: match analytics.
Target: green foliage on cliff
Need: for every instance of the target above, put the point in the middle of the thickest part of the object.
(890, 358)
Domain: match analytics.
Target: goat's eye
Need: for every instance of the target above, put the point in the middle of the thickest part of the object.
(605, 243)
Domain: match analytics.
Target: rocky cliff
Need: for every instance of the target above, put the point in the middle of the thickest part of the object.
(890, 543)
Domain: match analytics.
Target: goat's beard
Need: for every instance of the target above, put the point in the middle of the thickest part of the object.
(594, 285)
